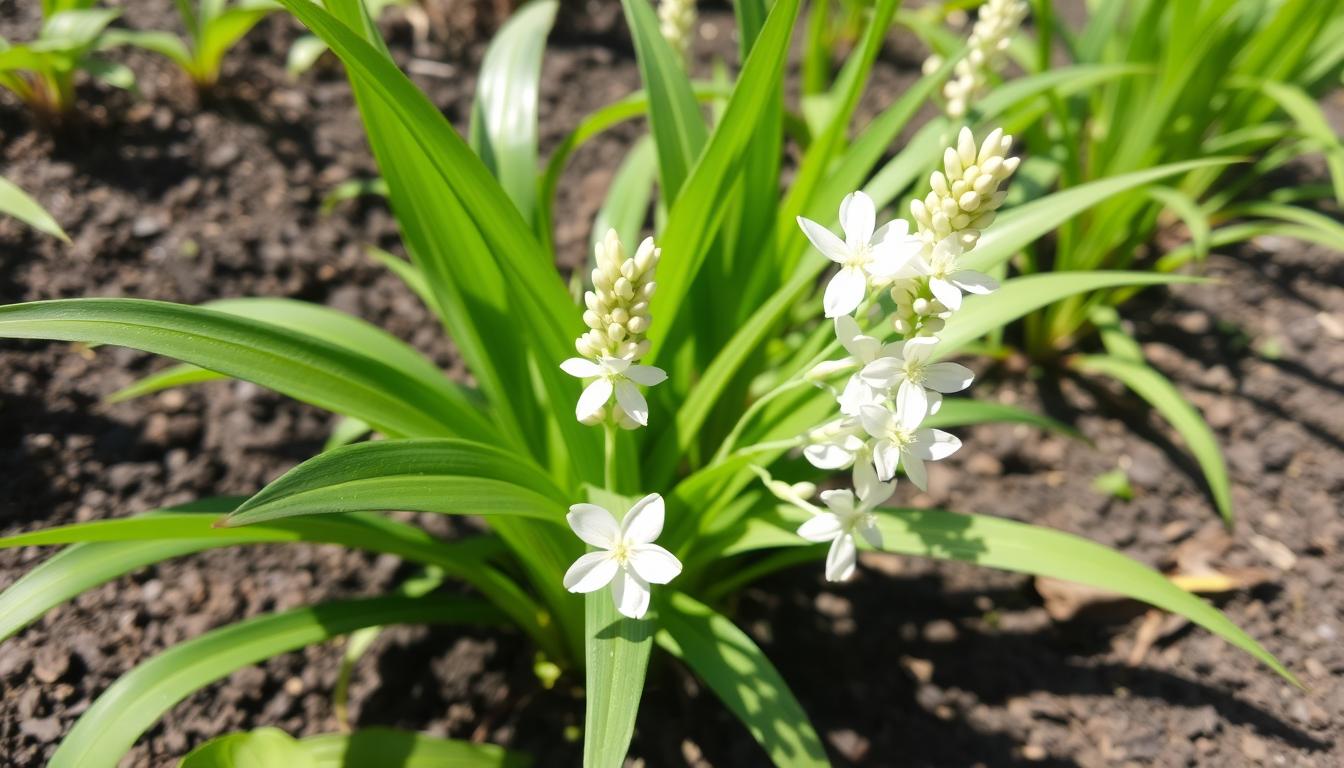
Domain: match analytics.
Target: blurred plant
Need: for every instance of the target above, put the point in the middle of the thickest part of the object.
(1152, 82)
(42, 73)
(213, 27)
(307, 49)
(728, 341)
(676, 20)
(15, 202)
(993, 32)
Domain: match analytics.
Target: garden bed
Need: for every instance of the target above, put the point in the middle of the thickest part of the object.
(911, 663)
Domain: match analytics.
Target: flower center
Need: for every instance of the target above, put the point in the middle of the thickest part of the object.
(914, 370)
(858, 258)
(621, 553)
(901, 436)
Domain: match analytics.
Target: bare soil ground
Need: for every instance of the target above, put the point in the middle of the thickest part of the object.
(913, 663)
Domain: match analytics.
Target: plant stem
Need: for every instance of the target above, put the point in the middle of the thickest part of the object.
(609, 464)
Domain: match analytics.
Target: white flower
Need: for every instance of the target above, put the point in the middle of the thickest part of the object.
(864, 253)
(835, 445)
(900, 443)
(844, 518)
(908, 370)
(610, 374)
(629, 560)
(947, 281)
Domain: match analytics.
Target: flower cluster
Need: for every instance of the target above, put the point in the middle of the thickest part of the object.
(893, 386)
(617, 317)
(993, 31)
(676, 19)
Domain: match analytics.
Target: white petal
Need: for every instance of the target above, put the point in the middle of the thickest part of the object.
(858, 216)
(947, 293)
(948, 377)
(591, 572)
(872, 535)
(935, 444)
(594, 396)
(883, 372)
(654, 564)
(828, 368)
(849, 335)
(648, 375)
(631, 594)
(871, 492)
(632, 402)
(828, 456)
(912, 404)
(823, 527)
(845, 292)
(896, 229)
(935, 401)
(896, 258)
(644, 521)
(886, 458)
(840, 560)
(919, 348)
(595, 525)
(615, 364)
(856, 395)
(865, 476)
(839, 500)
(914, 469)
(824, 240)
(876, 420)
(971, 281)
(580, 367)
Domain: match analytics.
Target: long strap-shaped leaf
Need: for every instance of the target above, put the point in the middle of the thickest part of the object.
(108, 729)
(295, 364)
(694, 218)
(442, 476)
(504, 115)
(15, 202)
(616, 656)
(742, 677)
(458, 221)
(1012, 546)
(377, 746)
(105, 549)
(428, 475)
(1159, 392)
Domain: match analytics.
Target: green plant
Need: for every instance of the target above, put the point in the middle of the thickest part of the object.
(42, 73)
(213, 28)
(15, 202)
(727, 339)
(1166, 81)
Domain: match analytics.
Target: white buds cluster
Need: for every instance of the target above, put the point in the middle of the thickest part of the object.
(963, 199)
(676, 20)
(617, 313)
(964, 196)
(990, 37)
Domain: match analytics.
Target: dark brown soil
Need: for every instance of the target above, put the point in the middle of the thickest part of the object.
(912, 663)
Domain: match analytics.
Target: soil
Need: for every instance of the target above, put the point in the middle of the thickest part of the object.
(168, 196)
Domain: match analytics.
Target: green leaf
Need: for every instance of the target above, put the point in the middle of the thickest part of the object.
(401, 749)
(627, 203)
(726, 659)
(504, 303)
(429, 475)
(1019, 226)
(108, 729)
(694, 219)
(15, 202)
(301, 366)
(1188, 210)
(674, 115)
(1159, 392)
(964, 412)
(979, 314)
(349, 190)
(262, 748)
(222, 33)
(180, 375)
(1012, 546)
(1313, 123)
(106, 549)
(617, 656)
(163, 43)
(346, 431)
(504, 114)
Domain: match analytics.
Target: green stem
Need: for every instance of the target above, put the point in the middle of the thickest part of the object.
(609, 464)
